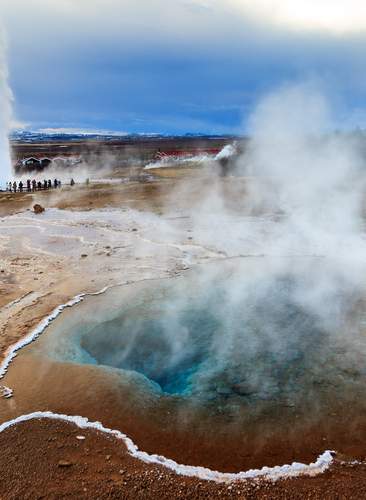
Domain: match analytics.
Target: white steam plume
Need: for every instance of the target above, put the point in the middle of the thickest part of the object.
(5, 115)
(308, 190)
(302, 288)
(312, 175)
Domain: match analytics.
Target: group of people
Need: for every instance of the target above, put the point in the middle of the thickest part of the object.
(33, 185)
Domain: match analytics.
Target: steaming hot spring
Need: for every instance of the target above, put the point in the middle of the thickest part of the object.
(253, 362)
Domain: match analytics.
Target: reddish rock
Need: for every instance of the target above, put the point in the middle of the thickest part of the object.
(38, 209)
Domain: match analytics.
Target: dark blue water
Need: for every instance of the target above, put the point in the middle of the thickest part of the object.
(168, 350)
(259, 347)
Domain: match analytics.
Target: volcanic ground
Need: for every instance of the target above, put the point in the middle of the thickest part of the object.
(130, 235)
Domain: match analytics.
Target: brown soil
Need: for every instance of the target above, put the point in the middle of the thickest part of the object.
(44, 459)
(170, 428)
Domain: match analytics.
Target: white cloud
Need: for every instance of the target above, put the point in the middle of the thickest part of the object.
(183, 21)
(337, 16)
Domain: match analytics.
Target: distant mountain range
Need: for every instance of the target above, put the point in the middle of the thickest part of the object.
(28, 136)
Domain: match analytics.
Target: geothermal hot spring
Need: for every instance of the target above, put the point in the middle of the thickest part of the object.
(233, 365)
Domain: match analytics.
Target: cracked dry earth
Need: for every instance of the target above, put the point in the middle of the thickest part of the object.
(48, 258)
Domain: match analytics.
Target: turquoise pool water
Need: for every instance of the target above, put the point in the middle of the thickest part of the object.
(229, 334)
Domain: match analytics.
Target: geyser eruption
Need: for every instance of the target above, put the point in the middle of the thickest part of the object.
(5, 116)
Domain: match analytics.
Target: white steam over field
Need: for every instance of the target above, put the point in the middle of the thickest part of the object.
(315, 180)
(289, 298)
(303, 217)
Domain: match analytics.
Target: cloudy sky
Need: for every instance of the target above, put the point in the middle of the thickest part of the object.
(178, 66)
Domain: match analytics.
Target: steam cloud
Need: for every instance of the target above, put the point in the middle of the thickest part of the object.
(270, 323)
(5, 115)
(279, 320)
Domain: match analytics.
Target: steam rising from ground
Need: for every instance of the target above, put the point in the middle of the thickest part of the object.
(171, 162)
(5, 116)
(307, 196)
(290, 312)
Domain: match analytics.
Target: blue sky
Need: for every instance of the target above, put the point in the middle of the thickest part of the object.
(177, 66)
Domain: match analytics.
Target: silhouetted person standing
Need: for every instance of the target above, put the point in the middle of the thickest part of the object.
(39, 185)
(21, 186)
(15, 187)
(28, 185)
(34, 185)
(72, 182)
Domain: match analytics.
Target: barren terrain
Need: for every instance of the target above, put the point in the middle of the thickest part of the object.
(90, 237)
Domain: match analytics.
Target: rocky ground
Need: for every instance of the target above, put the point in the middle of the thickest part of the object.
(86, 239)
(48, 459)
